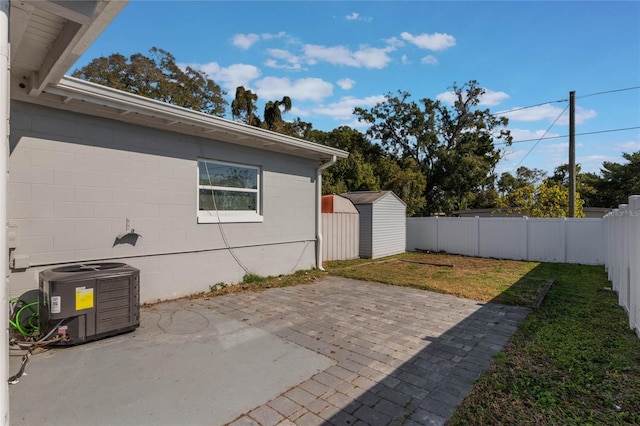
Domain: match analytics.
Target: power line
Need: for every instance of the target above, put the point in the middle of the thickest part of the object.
(564, 100)
(536, 144)
(608, 91)
(577, 134)
(530, 106)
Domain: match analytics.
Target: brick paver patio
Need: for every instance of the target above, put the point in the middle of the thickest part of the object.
(401, 355)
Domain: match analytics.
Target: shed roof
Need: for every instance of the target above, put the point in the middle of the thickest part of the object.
(369, 197)
(336, 204)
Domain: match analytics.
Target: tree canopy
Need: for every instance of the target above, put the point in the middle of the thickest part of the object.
(619, 181)
(157, 76)
(453, 146)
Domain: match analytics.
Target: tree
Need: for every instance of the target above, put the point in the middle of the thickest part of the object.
(548, 199)
(453, 146)
(619, 181)
(273, 114)
(405, 179)
(354, 173)
(243, 107)
(524, 176)
(157, 76)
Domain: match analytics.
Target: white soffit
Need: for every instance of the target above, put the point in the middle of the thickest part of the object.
(48, 36)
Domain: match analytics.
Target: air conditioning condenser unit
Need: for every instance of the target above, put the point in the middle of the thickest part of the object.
(89, 301)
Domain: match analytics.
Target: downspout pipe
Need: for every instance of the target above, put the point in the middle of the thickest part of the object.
(4, 256)
(319, 210)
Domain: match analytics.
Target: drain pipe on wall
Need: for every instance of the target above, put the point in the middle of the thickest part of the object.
(319, 210)
(4, 255)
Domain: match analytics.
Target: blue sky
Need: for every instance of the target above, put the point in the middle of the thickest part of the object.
(331, 56)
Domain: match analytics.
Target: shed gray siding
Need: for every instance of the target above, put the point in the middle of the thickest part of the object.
(382, 223)
(75, 179)
(366, 230)
(388, 226)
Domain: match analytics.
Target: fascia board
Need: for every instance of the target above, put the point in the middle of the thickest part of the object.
(74, 88)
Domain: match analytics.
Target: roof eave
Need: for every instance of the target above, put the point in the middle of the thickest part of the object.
(212, 127)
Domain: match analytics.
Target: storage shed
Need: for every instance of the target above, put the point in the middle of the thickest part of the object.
(382, 222)
(340, 228)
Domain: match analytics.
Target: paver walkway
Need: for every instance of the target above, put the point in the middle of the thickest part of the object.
(402, 356)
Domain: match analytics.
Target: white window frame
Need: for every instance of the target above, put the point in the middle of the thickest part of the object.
(229, 216)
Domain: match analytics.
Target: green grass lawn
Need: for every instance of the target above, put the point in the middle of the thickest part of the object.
(504, 281)
(572, 361)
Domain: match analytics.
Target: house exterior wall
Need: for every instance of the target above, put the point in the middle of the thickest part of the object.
(388, 227)
(75, 180)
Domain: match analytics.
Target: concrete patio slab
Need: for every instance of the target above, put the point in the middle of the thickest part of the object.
(336, 352)
(185, 365)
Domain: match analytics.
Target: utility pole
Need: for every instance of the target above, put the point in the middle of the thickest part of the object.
(572, 154)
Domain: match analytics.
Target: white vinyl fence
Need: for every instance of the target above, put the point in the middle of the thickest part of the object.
(546, 240)
(622, 256)
(613, 241)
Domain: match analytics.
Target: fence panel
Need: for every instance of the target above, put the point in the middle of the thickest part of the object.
(546, 240)
(622, 256)
(543, 240)
(584, 241)
(458, 235)
(502, 238)
(422, 233)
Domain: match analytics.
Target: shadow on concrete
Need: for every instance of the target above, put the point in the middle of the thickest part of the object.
(427, 388)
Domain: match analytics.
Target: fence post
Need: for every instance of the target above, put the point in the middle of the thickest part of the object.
(437, 236)
(563, 239)
(525, 237)
(634, 255)
(477, 236)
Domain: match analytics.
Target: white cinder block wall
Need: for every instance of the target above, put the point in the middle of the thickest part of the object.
(74, 180)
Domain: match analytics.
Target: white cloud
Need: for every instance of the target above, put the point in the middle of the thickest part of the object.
(405, 60)
(355, 16)
(367, 57)
(346, 83)
(394, 42)
(313, 89)
(245, 41)
(582, 115)
(492, 98)
(429, 60)
(372, 57)
(343, 109)
(267, 36)
(489, 98)
(292, 61)
(629, 146)
(537, 113)
(230, 77)
(435, 41)
(550, 113)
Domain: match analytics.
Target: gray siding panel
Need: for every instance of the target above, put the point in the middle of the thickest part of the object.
(74, 180)
(388, 227)
(366, 231)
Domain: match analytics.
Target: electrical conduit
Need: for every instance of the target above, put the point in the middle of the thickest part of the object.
(319, 210)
